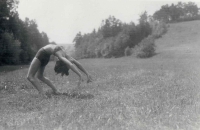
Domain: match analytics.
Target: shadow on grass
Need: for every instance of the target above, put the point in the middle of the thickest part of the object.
(146, 57)
(76, 95)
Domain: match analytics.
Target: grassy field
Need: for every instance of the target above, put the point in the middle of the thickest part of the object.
(159, 93)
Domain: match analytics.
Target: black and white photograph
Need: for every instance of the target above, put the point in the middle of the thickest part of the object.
(99, 64)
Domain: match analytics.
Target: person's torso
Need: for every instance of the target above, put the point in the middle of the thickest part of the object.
(52, 49)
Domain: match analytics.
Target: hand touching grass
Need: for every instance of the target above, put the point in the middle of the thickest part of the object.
(89, 79)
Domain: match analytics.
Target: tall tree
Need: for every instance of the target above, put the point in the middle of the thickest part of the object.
(111, 27)
(17, 34)
(191, 9)
(175, 13)
(77, 39)
(162, 14)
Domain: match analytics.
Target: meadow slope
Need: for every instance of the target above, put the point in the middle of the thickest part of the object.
(158, 93)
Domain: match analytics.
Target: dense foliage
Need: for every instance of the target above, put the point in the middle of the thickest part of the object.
(178, 12)
(19, 40)
(112, 38)
(116, 39)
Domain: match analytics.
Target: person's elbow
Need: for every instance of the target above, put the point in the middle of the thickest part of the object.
(68, 62)
(73, 61)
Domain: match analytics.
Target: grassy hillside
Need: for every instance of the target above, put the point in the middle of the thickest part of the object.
(182, 38)
(159, 93)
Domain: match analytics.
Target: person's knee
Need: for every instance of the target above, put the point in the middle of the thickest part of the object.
(30, 78)
(40, 77)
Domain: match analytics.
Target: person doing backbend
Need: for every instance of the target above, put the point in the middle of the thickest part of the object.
(64, 63)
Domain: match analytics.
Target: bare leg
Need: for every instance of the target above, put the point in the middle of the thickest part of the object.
(40, 76)
(35, 65)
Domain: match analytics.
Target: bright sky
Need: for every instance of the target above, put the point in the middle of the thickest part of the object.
(63, 19)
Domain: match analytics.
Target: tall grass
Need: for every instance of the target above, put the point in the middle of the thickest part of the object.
(126, 94)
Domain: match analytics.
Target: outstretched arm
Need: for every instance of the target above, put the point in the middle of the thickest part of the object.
(81, 68)
(70, 65)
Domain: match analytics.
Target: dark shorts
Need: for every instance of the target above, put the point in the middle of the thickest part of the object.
(43, 56)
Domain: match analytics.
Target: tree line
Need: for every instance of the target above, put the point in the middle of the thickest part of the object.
(113, 38)
(19, 40)
(177, 12)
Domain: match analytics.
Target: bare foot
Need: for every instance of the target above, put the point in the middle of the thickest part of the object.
(56, 93)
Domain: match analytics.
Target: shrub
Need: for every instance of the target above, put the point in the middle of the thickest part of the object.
(107, 47)
(146, 48)
(128, 51)
(98, 52)
(159, 29)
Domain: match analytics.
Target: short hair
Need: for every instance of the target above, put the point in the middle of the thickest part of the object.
(61, 68)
